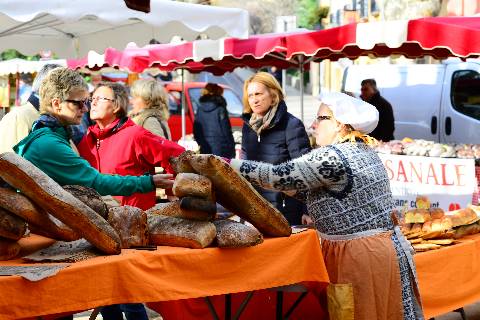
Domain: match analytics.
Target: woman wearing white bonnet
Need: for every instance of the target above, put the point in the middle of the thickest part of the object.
(347, 192)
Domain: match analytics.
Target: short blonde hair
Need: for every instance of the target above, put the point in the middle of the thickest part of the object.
(120, 96)
(153, 93)
(59, 83)
(267, 80)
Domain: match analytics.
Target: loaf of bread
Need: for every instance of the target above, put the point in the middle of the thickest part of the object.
(437, 213)
(49, 195)
(181, 164)
(232, 234)
(422, 202)
(417, 216)
(238, 196)
(174, 209)
(462, 217)
(466, 230)
(191, 184)
(9, 249)
(131, 224)
(178, 232)
(90, 197)
(11, 226)
(39, 221)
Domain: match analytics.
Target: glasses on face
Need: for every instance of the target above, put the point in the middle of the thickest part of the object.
(79, 103)
(320, 118)
(98, 98)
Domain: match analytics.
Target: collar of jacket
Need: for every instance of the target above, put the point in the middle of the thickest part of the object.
(109, 130)
(281, 112)
(375, 97)
(210, 103)
(141, 116)
(34, 100)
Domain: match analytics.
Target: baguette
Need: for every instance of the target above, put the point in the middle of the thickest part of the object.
(232, 234)
(131, 224)
(173, 209)
(8, 249)
(90, 197)
(11, 226)
(23, 175)
(238, 196)
(39, 221)
(178, 232)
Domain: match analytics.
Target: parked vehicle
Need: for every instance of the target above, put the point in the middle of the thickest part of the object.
(438, 102)
(193, 90)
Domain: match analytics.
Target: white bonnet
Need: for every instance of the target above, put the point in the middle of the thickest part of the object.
(362, 116)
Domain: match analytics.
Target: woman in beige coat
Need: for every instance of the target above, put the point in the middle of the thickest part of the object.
(150, 108)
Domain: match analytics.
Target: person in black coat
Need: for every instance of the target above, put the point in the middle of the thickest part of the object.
(271, 134)
(386, 123)
(212, 129)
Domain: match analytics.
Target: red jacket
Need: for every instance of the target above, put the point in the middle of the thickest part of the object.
(127, 149)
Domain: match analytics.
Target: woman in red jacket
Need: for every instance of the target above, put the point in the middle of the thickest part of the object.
(118, 146)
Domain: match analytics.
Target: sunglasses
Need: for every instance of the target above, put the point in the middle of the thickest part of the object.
(79, 103)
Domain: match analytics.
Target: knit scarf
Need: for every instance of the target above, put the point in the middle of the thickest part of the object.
(259, 123)
(49, 121)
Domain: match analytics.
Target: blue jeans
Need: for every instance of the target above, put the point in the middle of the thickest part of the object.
(133, 311)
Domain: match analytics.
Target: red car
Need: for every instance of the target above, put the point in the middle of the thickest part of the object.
(174, 90)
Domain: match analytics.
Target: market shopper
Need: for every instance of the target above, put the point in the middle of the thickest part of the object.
(63, 98)
(271, 134)
(348, 195)
(116, 145)
(386, 122)
(17, 124)
(150, 108)
(212, 129)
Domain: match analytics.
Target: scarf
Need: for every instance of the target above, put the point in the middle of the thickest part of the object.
(259, 123)
(49, 121)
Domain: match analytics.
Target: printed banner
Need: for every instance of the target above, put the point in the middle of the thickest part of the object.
(449, 183)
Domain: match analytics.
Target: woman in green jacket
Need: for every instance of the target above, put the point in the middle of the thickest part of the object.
(63, 101)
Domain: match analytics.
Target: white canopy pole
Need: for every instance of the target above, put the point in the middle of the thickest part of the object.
(183, 105)
(300, 58)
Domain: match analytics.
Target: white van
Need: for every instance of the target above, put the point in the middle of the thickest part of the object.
(438, 102)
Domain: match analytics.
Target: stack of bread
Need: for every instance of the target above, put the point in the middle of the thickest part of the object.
(75, 212)
(430, 228)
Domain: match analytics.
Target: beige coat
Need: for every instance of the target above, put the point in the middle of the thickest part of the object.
(153, 121)
(16, 125)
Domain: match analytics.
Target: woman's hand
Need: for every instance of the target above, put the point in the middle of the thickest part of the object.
(163, 181)
(306, 220)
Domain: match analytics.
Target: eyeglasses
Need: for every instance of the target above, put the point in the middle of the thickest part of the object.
(98, 98)
(79, 103)
(320, 118)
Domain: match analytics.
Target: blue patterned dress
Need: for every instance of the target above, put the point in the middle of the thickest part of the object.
(347, 192)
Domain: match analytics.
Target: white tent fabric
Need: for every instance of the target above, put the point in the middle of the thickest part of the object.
(71, 28)
(24, 66)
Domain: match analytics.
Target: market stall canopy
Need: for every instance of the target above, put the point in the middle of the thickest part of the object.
(216, 56)
(25, 66)
(439, 37)
(72, 28)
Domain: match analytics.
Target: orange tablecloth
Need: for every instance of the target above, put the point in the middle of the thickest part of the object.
(165, 274)
(449, 278)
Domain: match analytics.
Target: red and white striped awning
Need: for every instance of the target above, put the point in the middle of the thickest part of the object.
(439, 37)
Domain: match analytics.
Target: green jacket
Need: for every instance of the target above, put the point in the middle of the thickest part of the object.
(49, 149)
